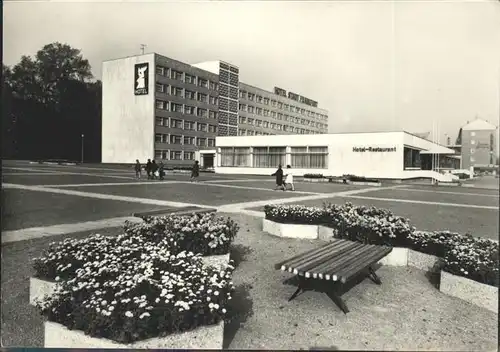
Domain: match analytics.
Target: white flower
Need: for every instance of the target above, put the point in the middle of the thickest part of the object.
(129, 314)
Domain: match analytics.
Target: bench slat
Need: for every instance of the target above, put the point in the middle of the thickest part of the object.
(334, 270)
(311, 263)
(331, 268)
(299, 256)
(356, 267)
(326, 249)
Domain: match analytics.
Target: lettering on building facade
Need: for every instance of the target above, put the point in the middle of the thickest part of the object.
(373, 149)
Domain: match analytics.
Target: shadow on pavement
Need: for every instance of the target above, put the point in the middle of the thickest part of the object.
(240, 309)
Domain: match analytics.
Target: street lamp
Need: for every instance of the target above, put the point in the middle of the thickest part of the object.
(83, 136)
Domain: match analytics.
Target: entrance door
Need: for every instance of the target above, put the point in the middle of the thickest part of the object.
(208, 160)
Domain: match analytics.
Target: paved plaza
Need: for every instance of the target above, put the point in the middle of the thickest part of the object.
(44, 203)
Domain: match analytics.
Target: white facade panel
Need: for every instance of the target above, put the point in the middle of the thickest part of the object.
(127, 119)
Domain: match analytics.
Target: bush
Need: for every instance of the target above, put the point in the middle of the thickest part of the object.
(466, 256)
(138, 291)
(313, 175)
(207, 235)
(354, 178)
(198, 233)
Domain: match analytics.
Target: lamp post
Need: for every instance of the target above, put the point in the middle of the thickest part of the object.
(83, 137)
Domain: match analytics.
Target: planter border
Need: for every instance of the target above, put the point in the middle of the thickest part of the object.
(477, 293)
(203, 337)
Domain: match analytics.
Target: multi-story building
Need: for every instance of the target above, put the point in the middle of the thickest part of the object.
(175, 110)
(477, 142)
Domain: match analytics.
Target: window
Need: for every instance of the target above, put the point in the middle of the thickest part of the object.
(265, 124)
(188, 155)
(473, 134)
(472, 150)
(250, 133)
(160, 88)
(266, 101)
(242, 119)
(258, 123)
(266, 112)
(202, 127)
(202, 82)
(274, 103)
(259, 99)
(251, 96)
(175, 123)
(273, 114)
(202, 97)
(175, 155)
(251, 109)
(176, 75)
(158, 154)
(189, 125)
(176, 91)
(242, 132)
(212, 129)
(309, 157)
(160, 70)
(234, 156)
(268, 157)
(250, 121)
(472, 142)
(161, 104)
(177, 107)
(189, 79)
(211, 142)
(188, 140)
(243, 94)
(189, 110)
(273, 125)
(214, 85)
(201, 142)
(280, 105)
(212, 114)
(202, 112)
(213, 100)
(258, 111)
(283, 117)
(189, 94)
(161, 138)
(175, 139)
(161, 121)
(242, 107)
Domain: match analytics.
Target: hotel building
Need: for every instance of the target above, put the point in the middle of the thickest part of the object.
(154, 107)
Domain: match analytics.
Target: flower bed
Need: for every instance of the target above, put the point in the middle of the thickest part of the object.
(313, 175)
(473, 258)
(141, 291)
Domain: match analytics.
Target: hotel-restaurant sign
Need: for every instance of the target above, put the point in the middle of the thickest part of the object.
(373, 149)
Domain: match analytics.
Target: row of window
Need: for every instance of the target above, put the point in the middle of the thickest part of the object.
(185, 125)
(186, 93)
(243, 132)
(185, 77)
(184, 140)
(271, 157)
(266, 101)
(185, 109)
(259, 123)
(173, 155)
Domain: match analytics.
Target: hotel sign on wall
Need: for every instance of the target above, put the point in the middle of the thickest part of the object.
(141, 79)
(373, 149)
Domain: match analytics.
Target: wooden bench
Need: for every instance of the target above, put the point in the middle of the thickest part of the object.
(338, 262)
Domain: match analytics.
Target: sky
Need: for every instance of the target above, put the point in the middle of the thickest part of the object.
(374, 65)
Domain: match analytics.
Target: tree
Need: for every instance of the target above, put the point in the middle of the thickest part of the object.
(54, 101)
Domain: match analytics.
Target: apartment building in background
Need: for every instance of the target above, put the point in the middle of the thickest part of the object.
(477, 143)
(154, 107)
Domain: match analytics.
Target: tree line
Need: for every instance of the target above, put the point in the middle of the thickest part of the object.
(48, 102)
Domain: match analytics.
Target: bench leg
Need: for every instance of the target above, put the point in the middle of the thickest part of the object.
(373, 276)
(301, 287)
(332, 293)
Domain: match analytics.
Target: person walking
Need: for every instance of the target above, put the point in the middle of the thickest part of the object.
(289, 178)
(195, 172)
(279, 178)
(154, 169)
(138, 168)
(161, 167)
(148, 168)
